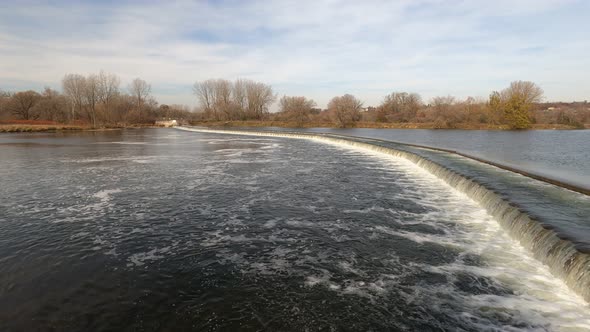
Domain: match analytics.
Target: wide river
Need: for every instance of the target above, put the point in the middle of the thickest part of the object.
(170, 230)
(563, 155)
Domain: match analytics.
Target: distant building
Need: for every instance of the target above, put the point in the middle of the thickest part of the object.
(166, 123)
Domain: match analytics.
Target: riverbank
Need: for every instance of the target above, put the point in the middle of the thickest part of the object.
(28, 128)
(20, 128)
(373, 125)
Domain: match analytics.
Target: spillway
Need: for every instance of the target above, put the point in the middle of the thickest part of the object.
(563, 243)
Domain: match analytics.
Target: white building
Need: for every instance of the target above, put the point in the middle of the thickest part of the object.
(166, 123)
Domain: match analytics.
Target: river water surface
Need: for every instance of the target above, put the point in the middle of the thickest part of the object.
(563, 155)
(162, 229)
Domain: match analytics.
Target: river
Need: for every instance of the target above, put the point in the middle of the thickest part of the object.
(563, 155)
(163, 229)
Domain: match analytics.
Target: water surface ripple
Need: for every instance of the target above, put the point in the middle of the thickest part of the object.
(167, 230)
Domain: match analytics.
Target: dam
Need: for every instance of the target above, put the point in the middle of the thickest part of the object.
(193, 228)
(549, 221)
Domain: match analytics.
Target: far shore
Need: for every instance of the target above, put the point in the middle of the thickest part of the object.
(377, 125)
(31, 128)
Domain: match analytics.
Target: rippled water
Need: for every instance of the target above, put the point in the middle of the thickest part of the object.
(558, 154)
(171, 230)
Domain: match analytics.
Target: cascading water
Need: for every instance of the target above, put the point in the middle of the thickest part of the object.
(560, 255)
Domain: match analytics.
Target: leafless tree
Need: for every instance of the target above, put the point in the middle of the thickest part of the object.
(22, 103)
(345, 110)
(108, 89)
(223, 99)
(400, 106)
(240, 97)
(442, 103)
(219, 98)
(74, 87)
(441, 107)
(91, 93)
(260, 97)
(4, 100)
(52, 106)
(140, 90)
(298, 109)
(205, 92)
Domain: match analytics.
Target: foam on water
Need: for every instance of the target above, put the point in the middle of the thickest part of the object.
(538, 296)
(315, 237)
(142, 160)
(140, 259)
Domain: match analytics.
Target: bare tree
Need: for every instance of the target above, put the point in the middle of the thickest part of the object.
(345, 110)
(125, 104)
(219, 98)
(223, 98)
(240, 97)
(108, 89)
(441, 107)
(140, 90)
(260, 97)
(298, 109)
(91, 93)
(74, 87)
(442, 104)
(400, 106)
(52, 106)
(4, 100)
(205, 92)
(22, 104)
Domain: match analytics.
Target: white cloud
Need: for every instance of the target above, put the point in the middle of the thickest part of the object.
(313, 48)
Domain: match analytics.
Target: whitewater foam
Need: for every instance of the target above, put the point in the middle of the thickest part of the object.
(560, 256)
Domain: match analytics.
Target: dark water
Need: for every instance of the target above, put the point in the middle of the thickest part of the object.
(563, 155)
(162, 229)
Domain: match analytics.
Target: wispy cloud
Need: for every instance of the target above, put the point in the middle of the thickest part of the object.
(313, 48)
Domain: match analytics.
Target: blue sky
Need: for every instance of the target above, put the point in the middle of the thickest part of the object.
(319, 49)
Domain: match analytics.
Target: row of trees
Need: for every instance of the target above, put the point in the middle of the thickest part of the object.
(518, 107)
(242, 99)
(94, 99)
(99, 100)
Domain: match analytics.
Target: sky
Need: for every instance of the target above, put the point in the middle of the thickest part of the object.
(318, 49)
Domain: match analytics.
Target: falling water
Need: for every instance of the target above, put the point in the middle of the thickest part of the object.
(560, 255)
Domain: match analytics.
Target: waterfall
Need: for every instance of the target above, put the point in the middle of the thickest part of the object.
(560, 255)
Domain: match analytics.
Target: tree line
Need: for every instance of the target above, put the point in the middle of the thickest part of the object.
(99, 100)
(518, 106)
(242, 99)
(93, 99)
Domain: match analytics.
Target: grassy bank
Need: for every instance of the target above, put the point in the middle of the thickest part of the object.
(31, 128)
(19, 128)
(377, 125)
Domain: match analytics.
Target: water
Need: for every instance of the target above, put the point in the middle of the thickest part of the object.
(562, 155)
(169, 230)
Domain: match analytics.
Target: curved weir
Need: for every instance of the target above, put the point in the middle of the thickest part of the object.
(551, 222)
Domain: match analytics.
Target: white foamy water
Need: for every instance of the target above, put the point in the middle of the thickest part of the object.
(537, 297)
(276, 233)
